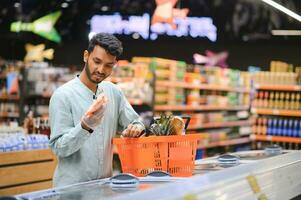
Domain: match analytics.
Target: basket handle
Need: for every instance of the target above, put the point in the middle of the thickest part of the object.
(187, 118)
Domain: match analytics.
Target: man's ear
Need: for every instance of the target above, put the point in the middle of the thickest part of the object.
(86, 56)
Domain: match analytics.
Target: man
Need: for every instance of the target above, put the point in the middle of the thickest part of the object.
(86, 112)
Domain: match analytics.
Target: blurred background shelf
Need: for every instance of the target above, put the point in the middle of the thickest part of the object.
(9, 115)
(278, 112)
(9, 98)
(221, 124)
(200, 86)
(296, 88)
(228, 142)
(198, 108)
(275, 138)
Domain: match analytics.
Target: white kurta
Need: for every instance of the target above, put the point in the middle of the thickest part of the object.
(83, 156)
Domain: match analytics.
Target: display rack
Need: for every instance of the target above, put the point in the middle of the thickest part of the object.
(270, 138)
(9, 102)
(201, 86)
(277, 110)
(198, 108)
(173, 84)
(220, 124)
(279, 87)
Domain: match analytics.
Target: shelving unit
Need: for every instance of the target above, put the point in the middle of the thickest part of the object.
(9, 98)
(200, 86)
(228, 142)
(10, 104)
(9, 115)
(173, 85)
(220, 124)
(275, 138)
(198, 108)
(278, 114)
(279, 87)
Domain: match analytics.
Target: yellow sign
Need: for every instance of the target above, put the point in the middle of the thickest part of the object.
(37, 53)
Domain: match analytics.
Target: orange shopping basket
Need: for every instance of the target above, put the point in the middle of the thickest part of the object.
(173, 154)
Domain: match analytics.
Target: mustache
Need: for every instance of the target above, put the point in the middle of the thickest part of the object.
(99, 74)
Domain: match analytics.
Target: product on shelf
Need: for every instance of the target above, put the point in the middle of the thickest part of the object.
(134, 79)
(298, 72)
(37, 125)
(279, 66)
(43, 80)
(275, 78)
(277, 126)
(277, 100)
(14, 139)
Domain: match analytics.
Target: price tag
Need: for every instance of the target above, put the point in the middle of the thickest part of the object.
(269, 138)
(276, 112)
(296, 87)
(190, 197)
(253, 183)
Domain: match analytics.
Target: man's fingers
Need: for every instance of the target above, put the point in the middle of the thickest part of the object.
(133, 130)
(125, 133)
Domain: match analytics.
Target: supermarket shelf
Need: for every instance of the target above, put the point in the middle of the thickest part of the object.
(266, 111)
(276, 138)
(200, 86)
(39, 96)
(221, 124)
(197, 108)
(279, 87)
(9, 97)
(222, 143)
(9, 115)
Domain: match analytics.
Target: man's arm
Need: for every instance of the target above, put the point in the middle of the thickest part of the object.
(66, 137)
(128, 118)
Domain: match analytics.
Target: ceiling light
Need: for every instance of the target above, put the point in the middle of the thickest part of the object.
(286, 32)
(104, 8)
(64, 5)
(283, 9)
(17, 4)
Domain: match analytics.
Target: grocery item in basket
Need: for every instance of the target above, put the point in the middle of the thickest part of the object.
(177, 126)
(167, 125)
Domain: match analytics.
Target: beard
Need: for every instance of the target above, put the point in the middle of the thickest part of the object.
(89, 75)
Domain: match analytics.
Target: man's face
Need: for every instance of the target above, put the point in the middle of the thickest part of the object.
(99, 64)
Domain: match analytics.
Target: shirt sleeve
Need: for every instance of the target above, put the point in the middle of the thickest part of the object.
(127, 114)
(66, 138)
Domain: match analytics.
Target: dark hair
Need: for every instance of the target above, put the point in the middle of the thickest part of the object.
(107, 41)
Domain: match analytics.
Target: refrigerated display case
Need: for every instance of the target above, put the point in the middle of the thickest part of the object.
(269, 174)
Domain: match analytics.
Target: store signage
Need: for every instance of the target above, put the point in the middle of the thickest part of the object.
(166, 13)
(43, 26)
(37, 53)
(188, 27)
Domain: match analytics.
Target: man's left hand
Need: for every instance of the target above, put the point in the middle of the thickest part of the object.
(133, 130)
